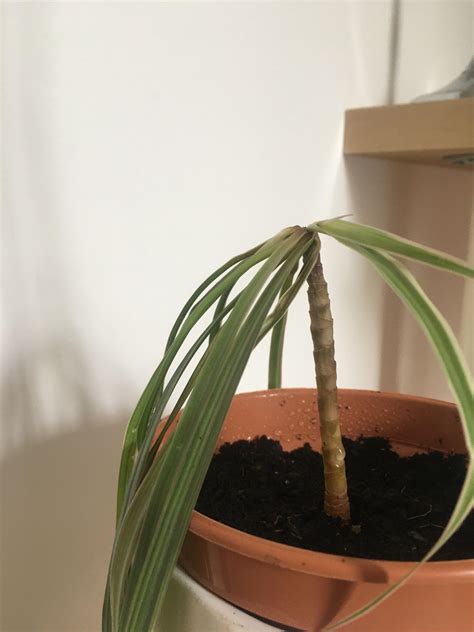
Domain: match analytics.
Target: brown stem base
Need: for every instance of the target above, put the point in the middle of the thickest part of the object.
(336, 501)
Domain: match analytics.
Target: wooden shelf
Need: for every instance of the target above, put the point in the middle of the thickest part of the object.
(416, 132)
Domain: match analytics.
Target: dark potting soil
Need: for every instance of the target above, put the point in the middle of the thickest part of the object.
(399, 504)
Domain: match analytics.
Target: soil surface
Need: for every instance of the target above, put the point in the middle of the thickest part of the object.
(399, 504)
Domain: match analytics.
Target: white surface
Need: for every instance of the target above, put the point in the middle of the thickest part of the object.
(191, 607)
(136, 132)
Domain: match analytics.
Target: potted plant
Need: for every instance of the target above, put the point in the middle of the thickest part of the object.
(163, 465)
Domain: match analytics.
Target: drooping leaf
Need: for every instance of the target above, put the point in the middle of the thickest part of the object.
(362, 235)
(190, 447)
(311, 256)
(276, 343)
(455, 368)
(138, 424)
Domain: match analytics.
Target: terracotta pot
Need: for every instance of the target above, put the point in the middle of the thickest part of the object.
(307, 590)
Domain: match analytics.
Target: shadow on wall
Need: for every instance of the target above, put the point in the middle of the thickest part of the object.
(60, 452)
(60, 448)
(58, 500)
(46, 389)
(60, 442)
(431, 205)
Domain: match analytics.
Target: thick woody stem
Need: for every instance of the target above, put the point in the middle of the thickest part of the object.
(336, 501)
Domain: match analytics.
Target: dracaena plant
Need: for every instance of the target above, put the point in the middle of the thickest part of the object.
(159, 481)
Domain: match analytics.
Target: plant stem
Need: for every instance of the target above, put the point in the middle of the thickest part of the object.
(336, 501)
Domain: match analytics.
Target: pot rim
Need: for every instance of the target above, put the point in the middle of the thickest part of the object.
(326, 564)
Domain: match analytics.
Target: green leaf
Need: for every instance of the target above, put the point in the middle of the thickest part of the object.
(125, 544)
(204, 285)
(277, 340)
(229, 264)
(310, 258)
(446, 348)
(146, 454)
(381, 240)
(138, 424)
(192, 443)
(222, 302)
(436, 329)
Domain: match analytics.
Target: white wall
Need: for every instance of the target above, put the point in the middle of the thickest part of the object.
(136, 132)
